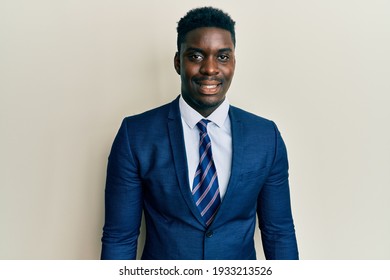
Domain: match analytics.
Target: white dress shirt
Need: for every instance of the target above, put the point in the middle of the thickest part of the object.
(219, 131)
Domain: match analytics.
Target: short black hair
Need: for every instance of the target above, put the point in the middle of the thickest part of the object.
(204, 17)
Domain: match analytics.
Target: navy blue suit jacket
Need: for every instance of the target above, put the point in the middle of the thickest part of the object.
(147, 171)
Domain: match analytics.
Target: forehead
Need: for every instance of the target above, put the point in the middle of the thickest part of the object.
(208, 38)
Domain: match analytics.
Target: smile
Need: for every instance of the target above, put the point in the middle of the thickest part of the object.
(209, 86)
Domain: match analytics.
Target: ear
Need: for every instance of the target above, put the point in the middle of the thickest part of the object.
(176, 63)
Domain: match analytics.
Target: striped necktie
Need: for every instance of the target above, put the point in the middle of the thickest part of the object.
(205, 189)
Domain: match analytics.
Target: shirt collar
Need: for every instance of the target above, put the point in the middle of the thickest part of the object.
(192, 117)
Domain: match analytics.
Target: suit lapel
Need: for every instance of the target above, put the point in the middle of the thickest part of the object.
(176, 138)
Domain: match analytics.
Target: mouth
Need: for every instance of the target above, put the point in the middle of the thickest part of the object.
(209, 86)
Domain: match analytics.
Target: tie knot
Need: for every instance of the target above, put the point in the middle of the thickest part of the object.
(202, 125)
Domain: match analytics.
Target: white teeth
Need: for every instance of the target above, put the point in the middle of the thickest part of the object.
(209, 86)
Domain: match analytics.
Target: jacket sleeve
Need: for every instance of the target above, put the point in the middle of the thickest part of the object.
(123, 201)
(274, 209)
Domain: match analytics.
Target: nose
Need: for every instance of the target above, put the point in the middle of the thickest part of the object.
(209, 67)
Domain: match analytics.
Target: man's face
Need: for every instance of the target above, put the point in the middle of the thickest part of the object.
(206, 65)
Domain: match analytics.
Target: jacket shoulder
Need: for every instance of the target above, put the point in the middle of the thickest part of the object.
(249, 118)
(150, 115)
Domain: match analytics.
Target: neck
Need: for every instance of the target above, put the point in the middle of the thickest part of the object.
(204, 109)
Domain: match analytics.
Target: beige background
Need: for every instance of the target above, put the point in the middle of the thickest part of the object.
(71, 70)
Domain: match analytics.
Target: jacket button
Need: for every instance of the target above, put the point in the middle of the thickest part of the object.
(209, 234)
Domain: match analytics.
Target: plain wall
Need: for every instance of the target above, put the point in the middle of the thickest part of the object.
(70, 71)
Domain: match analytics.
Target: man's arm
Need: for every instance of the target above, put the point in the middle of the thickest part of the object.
(274, 209)
(123, 201)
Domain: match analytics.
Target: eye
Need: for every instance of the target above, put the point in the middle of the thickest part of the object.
(195, 57)
(223, 57)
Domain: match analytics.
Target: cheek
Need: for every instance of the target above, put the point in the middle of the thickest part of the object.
(231, 70)
(228, 73)
(189, 73)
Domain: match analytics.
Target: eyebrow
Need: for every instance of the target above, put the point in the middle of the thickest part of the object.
(225, 50)
(202, 51)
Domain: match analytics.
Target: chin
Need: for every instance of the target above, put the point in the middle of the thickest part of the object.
(210, 102)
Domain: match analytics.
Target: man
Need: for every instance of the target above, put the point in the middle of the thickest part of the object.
(200, 169)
